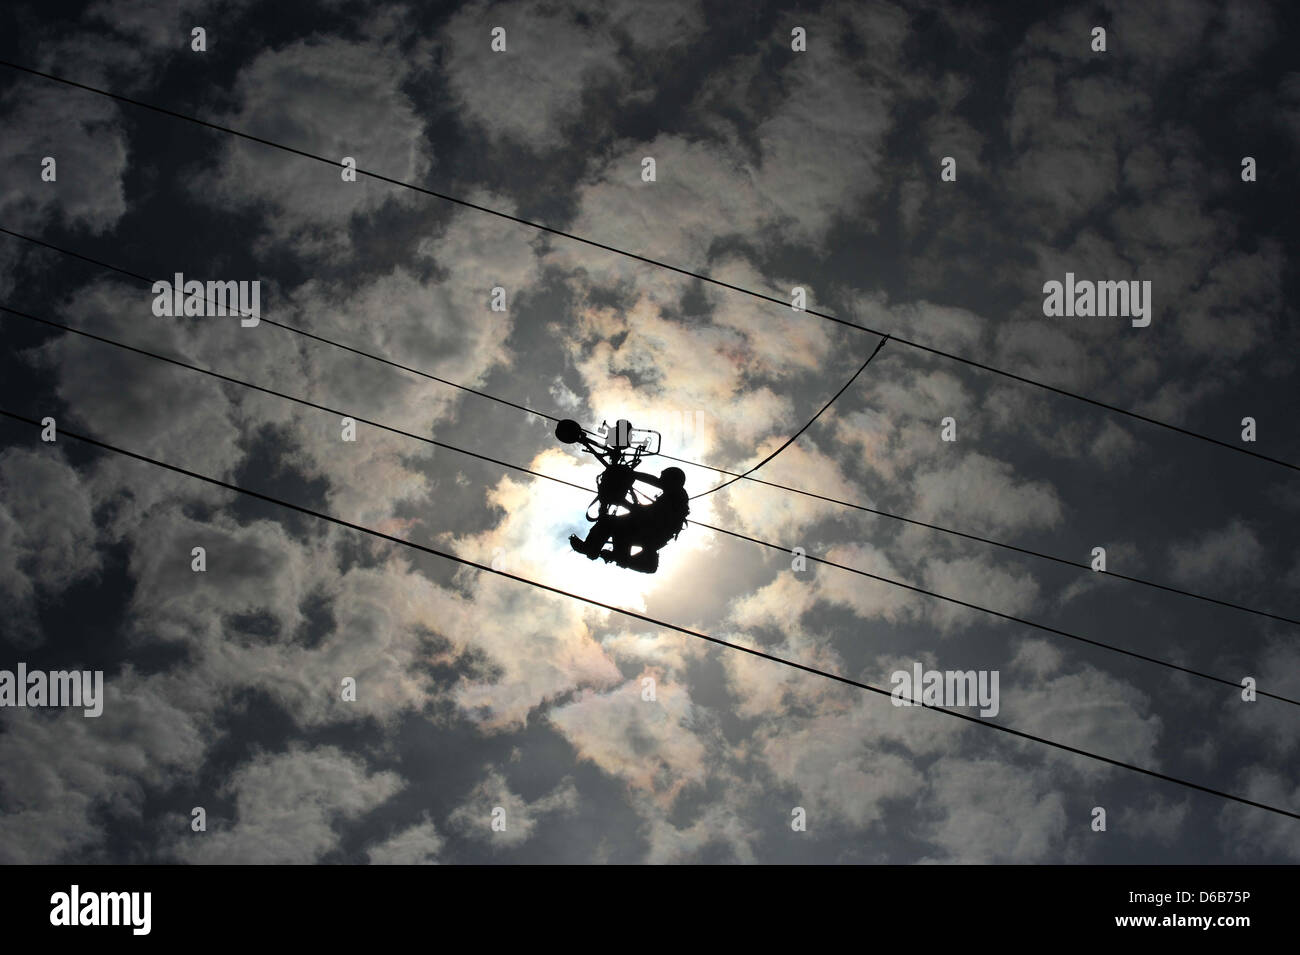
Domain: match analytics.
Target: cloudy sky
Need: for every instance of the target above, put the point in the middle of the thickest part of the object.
(774, 169)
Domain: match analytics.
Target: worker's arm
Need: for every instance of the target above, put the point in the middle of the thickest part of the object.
(648, 478)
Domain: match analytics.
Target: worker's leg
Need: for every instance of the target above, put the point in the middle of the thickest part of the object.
(604, 528)
(632, 531)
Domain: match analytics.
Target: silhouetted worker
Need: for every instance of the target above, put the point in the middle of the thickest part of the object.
(649, 526)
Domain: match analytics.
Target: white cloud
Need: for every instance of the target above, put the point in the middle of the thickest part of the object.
(324, 96)
(475, 816)
(419, 844)
(47, 529)
(981, 494)
(1230, 553)
(68, 770)
(987, 811)
(654, 746)
(1252, 834)
(84, 135)
(555, 54)
(286, 808)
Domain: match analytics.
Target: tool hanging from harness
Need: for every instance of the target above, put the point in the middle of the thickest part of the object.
(623, 449)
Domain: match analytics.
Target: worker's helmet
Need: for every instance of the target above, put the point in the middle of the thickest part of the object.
(673, 477)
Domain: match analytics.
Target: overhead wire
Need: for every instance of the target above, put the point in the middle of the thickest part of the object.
(747, 476)
(791, 440)
(646, 618)
(1046, 628)
(699, 276)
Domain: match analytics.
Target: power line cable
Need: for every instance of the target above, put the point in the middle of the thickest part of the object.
(748, 476)
(791, 440)
(654, 262)
(286, 327)
(826, 674)
(1046, 628)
